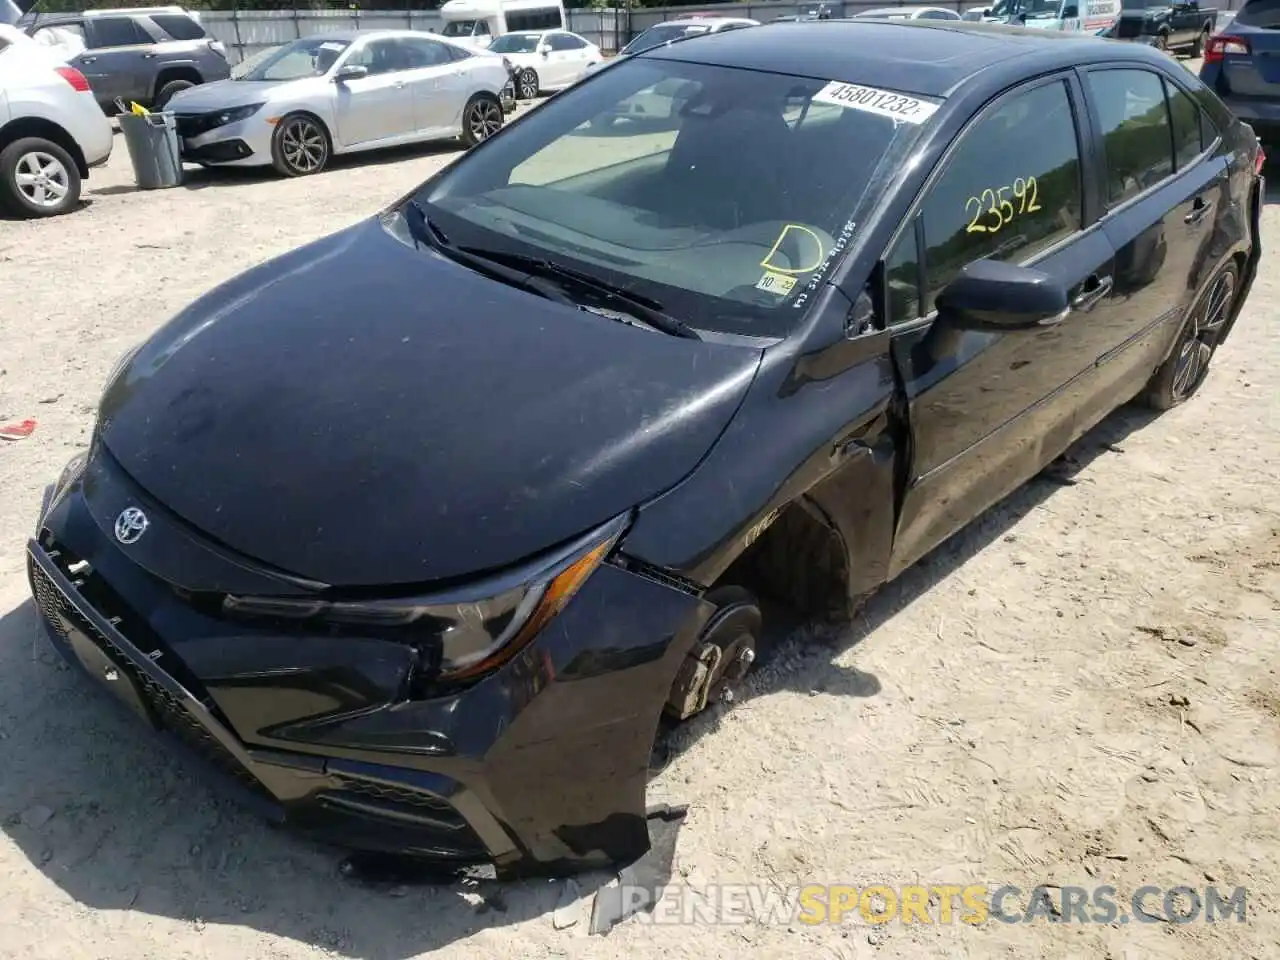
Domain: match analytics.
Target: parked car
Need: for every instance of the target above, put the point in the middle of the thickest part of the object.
(144, 54)
(1174, 26)
(678, 29)
(420, 528)
(51, 130)
(342, 92)
(478, 22)
(1240, 66)
(1099, 16)
(808, 11)
(908, 13)
(546, 60)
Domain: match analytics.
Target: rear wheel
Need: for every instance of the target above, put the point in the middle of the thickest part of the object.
(166, 92)
(1181, 375)
(1162, 42)
(300, 146)
(481, 119)
(1197, 49)
(38, 178)
(722, 655)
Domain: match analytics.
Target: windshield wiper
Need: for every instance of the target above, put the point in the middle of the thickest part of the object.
(641, 307)
(426, 233)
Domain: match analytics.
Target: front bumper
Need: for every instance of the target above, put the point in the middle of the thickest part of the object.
(245, 143)
(538, 768)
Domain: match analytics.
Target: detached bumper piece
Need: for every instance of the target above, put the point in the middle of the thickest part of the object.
(365, 805)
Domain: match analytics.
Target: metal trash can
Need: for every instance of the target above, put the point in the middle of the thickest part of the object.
(153, 147)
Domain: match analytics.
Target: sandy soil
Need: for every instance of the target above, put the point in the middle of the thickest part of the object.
(1080, 689)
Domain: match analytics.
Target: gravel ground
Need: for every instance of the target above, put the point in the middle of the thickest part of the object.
(1080, 689)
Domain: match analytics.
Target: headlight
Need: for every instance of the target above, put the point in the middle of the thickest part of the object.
(235, 114)
(460, 634)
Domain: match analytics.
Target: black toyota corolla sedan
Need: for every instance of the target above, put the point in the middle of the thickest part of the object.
(418, 530)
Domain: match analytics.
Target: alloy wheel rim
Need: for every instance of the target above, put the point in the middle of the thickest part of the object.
(528, 86)
(303, 146)
(485, 120)
(42, 179)
(1202, 335)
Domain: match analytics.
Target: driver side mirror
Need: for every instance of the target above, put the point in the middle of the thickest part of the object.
(351, 71)
(990, 295)
(544, 48)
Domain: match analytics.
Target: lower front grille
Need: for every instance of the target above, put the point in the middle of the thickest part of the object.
(426, 822)
(168, 709)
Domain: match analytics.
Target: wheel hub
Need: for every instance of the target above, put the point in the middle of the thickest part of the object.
(720, 659)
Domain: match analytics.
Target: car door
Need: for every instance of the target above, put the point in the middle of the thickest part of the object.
(438, 81)
(120, 59)
(379, 105)
(988, 409)
(1160, 205)
(569, 55)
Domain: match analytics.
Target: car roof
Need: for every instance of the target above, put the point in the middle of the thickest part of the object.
(925, 57)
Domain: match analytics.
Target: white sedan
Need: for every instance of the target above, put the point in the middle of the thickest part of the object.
(51, 129)
(546, 60)
(342, 92)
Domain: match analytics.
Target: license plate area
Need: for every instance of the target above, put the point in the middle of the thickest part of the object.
(115, 676)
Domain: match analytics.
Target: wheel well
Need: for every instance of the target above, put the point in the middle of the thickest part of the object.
(170, 74)
(324, 127)
(800, 561)
(46, 130)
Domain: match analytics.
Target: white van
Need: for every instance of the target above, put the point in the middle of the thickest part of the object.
(1088, 16)
(477, 22)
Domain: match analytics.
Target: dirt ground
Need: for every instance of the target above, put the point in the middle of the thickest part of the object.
(1080, 689)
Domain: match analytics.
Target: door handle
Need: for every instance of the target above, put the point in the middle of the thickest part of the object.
(1199, 210)
(399, 84)
(1095, 289)
(148, 56)
(88, 59)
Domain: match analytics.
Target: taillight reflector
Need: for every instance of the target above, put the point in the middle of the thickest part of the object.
(1261, 160)
(74, 77)
(1219, 46)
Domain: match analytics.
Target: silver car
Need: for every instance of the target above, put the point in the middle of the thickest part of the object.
(342, 92)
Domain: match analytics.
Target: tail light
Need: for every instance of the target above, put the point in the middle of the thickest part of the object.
(218, 47)
(74, 77)
(1219, 46)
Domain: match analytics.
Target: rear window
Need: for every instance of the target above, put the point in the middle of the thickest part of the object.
(1260, 13)
(664, 33)
(707, 189)
(179, 26)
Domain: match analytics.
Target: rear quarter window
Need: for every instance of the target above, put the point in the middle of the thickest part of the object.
(1260, 13)
(178, 26)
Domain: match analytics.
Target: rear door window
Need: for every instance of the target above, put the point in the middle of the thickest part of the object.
(1260, 13)
(116, 32)
(179, 26)
(1137, 134)
(1010, 189)
(1185, 114)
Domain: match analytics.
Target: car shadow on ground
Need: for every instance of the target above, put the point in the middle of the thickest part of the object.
(118, 822)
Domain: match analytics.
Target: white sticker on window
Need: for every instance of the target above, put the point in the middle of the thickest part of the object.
(778, 283)
(886, 103)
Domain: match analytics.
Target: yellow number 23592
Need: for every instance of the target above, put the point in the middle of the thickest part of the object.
(992, 210)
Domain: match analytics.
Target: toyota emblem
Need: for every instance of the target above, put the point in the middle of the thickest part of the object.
(131, 525)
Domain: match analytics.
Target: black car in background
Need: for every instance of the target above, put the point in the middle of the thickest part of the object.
(1242, 66)
(1180, 26)
(418, 530)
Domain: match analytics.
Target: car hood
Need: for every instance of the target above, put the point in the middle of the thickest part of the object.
(225, 94)
(362, 413)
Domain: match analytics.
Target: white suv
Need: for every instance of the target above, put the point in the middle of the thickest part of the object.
(51, 129)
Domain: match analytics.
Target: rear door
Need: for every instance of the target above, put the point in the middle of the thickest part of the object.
(568, 57)
(1161, 191)
(120, 60)
(438, 82)
(989, 409)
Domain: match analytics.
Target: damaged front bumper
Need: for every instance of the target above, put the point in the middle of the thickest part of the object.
(538, 768)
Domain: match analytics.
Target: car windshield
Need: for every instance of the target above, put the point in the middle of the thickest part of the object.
(516, 43)
(663, 33)
(459, 28)
(709, 190)
(308, 57)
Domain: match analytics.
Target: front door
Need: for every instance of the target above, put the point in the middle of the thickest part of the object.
(120, 60)
(379, 105)
(989, 409)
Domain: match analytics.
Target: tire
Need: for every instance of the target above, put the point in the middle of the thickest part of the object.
(481, 119)
(527, 85)
(166, 92)
(1187, 365)
(300, 146)
(1197, 48)
(38, 178)
(1162, 42)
